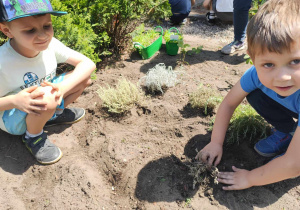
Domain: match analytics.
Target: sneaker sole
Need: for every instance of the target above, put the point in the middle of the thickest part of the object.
(53, 161)
(236, 49)
(264, 154)
(67, 123)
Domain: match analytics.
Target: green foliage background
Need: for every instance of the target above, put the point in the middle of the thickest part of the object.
(102, 27)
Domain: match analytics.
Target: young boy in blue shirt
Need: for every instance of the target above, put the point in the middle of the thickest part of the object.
(272, 87)
(31, 95)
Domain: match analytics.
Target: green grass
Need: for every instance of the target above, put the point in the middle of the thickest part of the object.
(246, 124)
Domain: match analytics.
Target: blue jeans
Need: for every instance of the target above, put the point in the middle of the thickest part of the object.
(274, 113)
(240, 18)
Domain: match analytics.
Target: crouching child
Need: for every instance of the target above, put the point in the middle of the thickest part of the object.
(272, 87)
(32, 96)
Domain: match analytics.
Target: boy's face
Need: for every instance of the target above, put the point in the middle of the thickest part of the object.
(280, 72)
(29, 35)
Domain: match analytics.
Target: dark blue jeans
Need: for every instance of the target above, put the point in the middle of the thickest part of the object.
(274, 113)
(178, 18)
(240, 18)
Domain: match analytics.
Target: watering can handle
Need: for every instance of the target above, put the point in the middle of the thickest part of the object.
(174, 28)
(162, 31)
(138, 45)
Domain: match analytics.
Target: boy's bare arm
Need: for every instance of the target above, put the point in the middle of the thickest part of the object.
(83, 70)
(212, 153)
(25, 101)
(281, 168)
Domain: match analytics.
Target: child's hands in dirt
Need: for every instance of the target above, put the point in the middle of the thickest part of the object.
(29, 101)
(236, 180)
(211, 154)
(56, 89)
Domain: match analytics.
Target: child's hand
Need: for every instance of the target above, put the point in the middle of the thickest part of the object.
(55, 87)
(211, 154)
(26, 101)
(236, 180)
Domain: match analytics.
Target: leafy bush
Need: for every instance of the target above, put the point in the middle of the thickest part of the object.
(115, 20)
(206, 99)
(122, 98)
(255, 6)
(75, 31)
(246, 124)
(102, 27)
(159, 77)
(3, 38)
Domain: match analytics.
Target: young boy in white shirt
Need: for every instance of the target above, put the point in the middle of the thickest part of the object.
(31, 94)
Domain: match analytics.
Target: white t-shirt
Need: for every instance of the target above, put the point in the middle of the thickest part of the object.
(18, 72)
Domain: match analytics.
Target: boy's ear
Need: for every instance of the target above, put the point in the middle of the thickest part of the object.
(5, 29)
(252, 58)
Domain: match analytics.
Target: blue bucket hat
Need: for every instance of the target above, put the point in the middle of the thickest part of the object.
(14, 9)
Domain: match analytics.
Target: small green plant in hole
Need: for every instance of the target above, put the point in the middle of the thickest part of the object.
(184, 50)
(246, 123)
(205, 98)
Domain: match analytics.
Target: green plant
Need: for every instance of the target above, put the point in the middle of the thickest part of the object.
(75, 30)
(184, 50)
(248, 59)
(167, 36)
(255, 6)
(205, 99)
(246, 124)
(144, 37)
(159, 78)
(122, 98)
(3, 38)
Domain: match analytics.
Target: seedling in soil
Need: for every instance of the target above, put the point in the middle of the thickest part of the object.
(184, 50)
(206, 99)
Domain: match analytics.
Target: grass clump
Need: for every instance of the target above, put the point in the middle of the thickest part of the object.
(202, 172)
(122, 98)
(246, 123)
(159, 78)
(206, 99)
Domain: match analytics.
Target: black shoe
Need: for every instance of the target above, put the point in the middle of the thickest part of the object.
(69, 116)
(42, 149)
(211, 18)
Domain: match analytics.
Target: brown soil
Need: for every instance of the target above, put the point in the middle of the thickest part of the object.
(137, 161)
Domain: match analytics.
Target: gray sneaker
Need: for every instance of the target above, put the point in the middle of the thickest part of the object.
(42, 149)
(69, 116)
(232, 47)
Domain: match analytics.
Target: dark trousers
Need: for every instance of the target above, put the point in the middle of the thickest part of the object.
(178, 18)
(274, 113)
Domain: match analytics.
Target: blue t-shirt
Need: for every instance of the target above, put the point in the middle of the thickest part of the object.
(250, 82)
(180, 6)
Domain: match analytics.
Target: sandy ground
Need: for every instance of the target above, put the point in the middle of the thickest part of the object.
(137, 161)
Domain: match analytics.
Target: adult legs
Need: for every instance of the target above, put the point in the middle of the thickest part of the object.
(240, 18)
